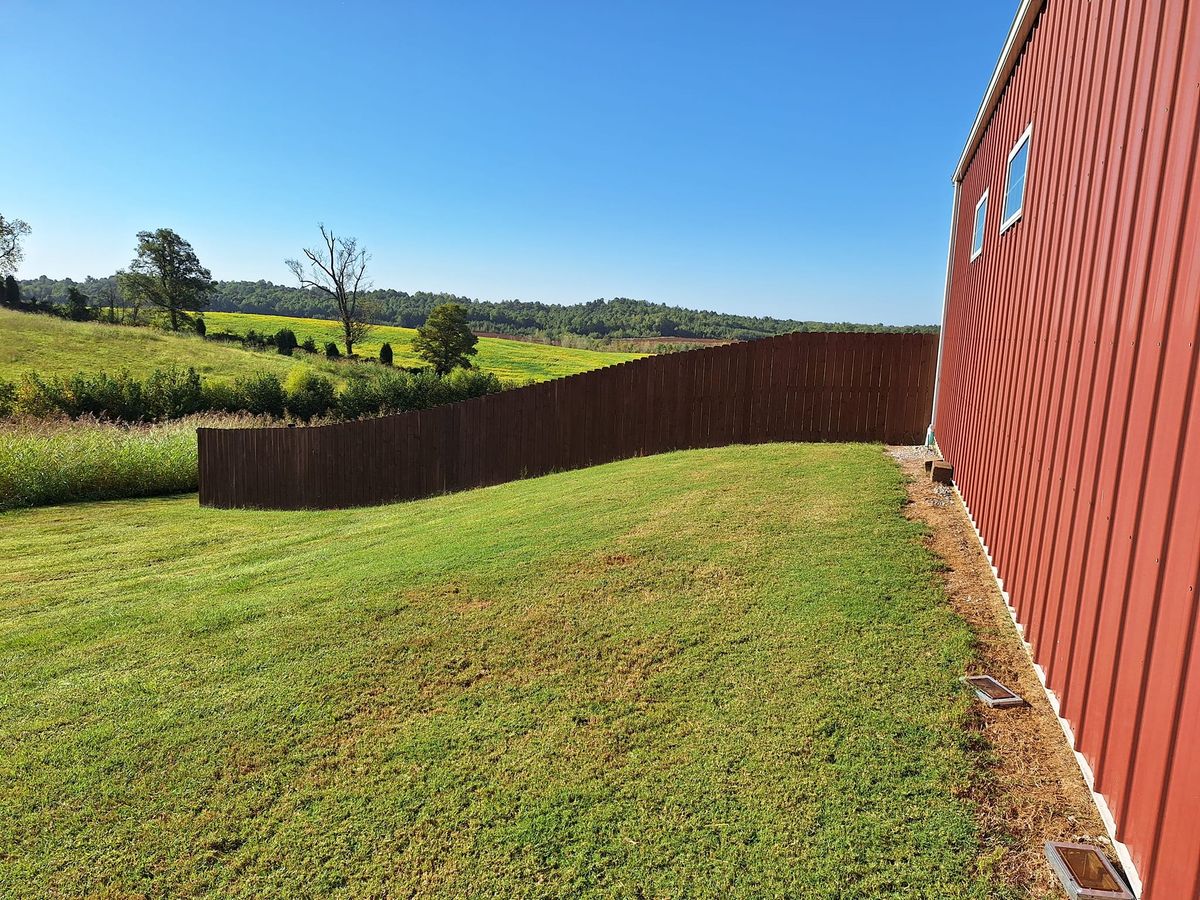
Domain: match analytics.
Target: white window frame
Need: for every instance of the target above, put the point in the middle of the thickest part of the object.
(975, 229)
(1023, 140)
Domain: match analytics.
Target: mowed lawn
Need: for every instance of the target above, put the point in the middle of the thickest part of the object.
(720, 673)
(52, 346)
(515, 360)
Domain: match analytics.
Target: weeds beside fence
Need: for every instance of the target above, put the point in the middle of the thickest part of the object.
(44, 461)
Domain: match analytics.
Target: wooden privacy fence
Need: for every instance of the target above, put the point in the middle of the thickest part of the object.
(795, 387)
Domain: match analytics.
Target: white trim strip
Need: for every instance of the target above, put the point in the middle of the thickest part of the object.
(930, 437)
(1131, 872)
(1021, 27)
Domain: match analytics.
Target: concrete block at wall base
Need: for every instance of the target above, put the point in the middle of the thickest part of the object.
(941, 472)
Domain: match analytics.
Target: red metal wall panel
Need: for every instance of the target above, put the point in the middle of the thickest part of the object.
(1068, 398)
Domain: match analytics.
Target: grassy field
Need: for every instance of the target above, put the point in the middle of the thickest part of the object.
(54, 346)
(723, 673)
(516, 360)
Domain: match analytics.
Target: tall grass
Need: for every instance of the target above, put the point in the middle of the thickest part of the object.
(58, 461)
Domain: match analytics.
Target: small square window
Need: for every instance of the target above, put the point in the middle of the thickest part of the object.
(980, 222)
(1014, 186)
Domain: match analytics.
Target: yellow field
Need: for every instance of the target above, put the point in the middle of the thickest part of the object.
(515, 360)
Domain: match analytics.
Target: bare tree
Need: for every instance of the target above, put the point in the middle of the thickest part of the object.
(11, 254)
(339, 269)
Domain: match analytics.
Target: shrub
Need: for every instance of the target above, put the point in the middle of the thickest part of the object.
(166, 394)
(332, 351)
(35, 397)
(359, 399)
(385, 354)
(285, 341)
(228, 336)
(8, 398)
(102, 395)
(174, 393)
(309, 393)
(399, 391)
(396, 392)
(256, 340)
(201, 328)
(309, 345)
(171, 394)
(220, 396)
(466, 383)
(260, 394)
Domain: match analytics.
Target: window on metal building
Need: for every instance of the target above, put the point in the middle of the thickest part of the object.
(980, 221)
(1014, 185)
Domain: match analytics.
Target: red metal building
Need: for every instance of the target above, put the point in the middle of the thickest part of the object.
(1067, 394)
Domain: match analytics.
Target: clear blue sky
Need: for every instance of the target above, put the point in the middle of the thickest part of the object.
(790, 159)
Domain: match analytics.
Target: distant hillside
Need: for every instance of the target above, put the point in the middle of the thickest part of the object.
(599, 319)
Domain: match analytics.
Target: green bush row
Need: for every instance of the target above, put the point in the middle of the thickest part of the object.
(173, 393)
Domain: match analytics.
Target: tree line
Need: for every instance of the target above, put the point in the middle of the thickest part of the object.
(598, 319)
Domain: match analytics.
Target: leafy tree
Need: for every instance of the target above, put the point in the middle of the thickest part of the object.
(385, 354)
(445, 341)
(12, 231)
(167, 273)
(77, 305)
(338, 269)
(12, 292)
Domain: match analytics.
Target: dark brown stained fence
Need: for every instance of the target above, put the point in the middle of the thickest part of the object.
(796, 387)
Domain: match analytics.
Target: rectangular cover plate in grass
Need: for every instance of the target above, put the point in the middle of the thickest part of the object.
(1085, 872)
(992, 692)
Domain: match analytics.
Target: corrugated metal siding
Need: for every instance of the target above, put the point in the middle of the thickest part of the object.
(1068, 399)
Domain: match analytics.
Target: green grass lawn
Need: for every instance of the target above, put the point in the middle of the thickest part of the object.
(53, 346)
(515, 360)
(721, 673)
